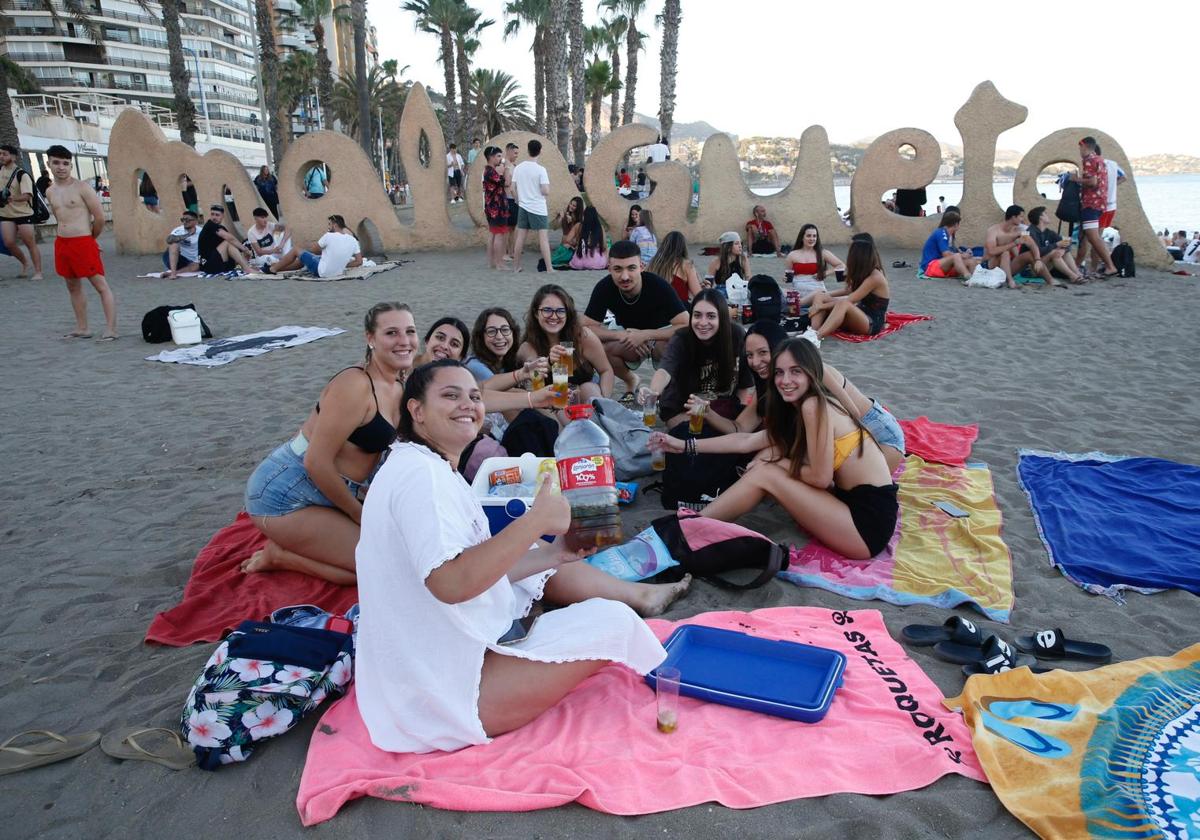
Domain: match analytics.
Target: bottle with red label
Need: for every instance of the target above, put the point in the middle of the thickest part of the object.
(588, 482)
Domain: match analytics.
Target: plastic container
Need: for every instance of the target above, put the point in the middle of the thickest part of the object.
(588, 481)
(501, 510)
(185, 326)
(785, 679)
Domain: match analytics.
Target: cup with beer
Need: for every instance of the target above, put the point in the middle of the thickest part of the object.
(560, 384)
(696, 410)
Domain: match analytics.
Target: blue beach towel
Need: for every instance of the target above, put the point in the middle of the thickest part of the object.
(1111, 523)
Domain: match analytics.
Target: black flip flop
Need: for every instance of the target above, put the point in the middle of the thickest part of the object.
(955, 629)
(993, 646)
(999, 656)
(900, 264)
(1052, 644)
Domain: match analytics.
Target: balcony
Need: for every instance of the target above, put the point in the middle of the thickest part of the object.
(292, 41)
(289, 6)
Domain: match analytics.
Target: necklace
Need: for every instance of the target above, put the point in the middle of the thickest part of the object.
(630, 301)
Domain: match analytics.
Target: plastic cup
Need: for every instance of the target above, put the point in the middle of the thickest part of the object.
(561, 389)
(567, 360)
(666, 682)
(696, 419)
(840, 273)
(649, 409)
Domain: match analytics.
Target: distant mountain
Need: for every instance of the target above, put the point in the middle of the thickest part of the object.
(1165, 164)
(696, 131)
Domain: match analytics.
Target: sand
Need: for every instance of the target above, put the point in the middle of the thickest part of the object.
(118, 470)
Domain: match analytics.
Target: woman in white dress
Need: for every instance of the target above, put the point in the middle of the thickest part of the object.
(438, 593)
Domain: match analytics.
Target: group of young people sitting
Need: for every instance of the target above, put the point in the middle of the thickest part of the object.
(370, 489)
(267, 247)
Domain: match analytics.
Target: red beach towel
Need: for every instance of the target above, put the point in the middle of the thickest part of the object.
(218, 596)
(942, 443)
(599, 746)
(895, 322)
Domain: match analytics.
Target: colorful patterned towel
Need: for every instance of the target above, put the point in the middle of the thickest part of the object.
(938, 560)
(219, 596)
(885, 732)
(1111, 523)
(895, 322)
(941, 442)
(1112, 753)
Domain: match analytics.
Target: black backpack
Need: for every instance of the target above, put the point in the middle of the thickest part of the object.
(1122, 257)
(1070, 205)
(766, 298)
(157, 330)
(695, 480)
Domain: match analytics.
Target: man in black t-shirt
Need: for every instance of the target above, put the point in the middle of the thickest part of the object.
(1054, 249)
(645, 306)
(219, 250)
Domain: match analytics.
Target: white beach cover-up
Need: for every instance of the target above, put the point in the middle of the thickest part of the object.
(419, 660)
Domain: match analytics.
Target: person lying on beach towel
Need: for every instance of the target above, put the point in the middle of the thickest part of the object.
(861, 306)
(815, 458)
(439, 664)
(329, 256)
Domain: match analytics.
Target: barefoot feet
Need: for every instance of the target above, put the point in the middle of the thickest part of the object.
(654, 598)
(259, 561)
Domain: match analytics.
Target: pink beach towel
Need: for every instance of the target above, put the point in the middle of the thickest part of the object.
(895, 322)
(885, 732)
(218, 596)
(940, 443)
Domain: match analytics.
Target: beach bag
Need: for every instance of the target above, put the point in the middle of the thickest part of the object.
(1070, 205)
(156, 328)
(986, 278)
(708, 548)
(766, 298)
(531, 431)
(692, 481)
(643, 557)
(258, 683)
(38, 202)
(478, 451)
(627, 436)
(1122, 257)
(737, 290)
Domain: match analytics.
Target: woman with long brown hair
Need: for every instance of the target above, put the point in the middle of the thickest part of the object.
(552, 320)
(861, 306)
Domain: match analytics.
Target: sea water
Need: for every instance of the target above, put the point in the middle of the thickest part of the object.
(1170, 201)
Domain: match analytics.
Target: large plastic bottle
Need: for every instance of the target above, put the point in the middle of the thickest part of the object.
(588, 482)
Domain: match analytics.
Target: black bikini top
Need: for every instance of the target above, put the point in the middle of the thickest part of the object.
(376, 434)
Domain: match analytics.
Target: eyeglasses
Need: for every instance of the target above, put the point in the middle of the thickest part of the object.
(186, 219)
(492, 332)
(550, 312)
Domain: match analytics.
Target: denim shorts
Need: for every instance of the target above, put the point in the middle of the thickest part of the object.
(884, 427)
(312, 262)
(281, 485)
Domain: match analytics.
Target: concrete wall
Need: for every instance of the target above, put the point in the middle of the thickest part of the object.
(356, 193)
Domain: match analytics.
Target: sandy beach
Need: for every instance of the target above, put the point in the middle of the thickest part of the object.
(118, 470)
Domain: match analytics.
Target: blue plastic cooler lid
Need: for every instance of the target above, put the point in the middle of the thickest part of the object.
(786, 679)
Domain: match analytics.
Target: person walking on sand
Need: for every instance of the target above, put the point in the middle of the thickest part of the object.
(1093, 180)
(16, 215)
(531, 184)
(76, 255)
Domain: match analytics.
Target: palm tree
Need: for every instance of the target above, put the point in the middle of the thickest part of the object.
(616, 24)
(599, 81)
(362, 83)
(440, 17)
(313, 13)
(669, 58)
(13, 74)
(560, 104)
(578, 67)
(466, 42)
(181, 78)
(384, 94)
(296, 76)
(277, 122)
(633, 44)
(501, 107)
(532, 13)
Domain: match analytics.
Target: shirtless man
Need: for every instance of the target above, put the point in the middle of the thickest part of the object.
(76, 254)
(1003, 248)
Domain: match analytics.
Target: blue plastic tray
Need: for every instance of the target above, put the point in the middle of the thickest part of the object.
(785, 679)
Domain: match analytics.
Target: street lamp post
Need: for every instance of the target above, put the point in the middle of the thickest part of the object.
(203, 96)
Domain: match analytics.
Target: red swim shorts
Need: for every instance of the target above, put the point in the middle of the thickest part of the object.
(76, 257)
(497, 229)
(934, 269)
(1106, 219)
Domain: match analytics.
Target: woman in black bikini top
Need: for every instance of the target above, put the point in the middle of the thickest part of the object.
(306, 496)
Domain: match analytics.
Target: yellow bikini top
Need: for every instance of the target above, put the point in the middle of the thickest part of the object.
(844, 445)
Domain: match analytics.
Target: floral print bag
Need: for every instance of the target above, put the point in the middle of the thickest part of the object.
(258, 683)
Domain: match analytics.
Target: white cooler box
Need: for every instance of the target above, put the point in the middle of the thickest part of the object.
(185, 326)
(502, 510)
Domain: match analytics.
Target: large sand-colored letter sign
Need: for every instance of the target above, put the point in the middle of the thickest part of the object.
(356, 193)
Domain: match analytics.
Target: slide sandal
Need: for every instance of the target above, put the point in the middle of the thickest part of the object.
(992, 647)
(1052, 644)
(998, 656)
(955, 629)
(123, 743)
(53, 748)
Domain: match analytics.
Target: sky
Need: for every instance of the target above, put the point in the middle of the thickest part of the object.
(778, 66)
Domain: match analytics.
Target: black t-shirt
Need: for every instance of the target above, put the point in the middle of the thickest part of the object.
(208, 242)
(1047, 240)
(690, 375)
(651, 309)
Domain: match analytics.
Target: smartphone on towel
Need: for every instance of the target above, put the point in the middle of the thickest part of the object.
(519, 631)
(952, 510)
